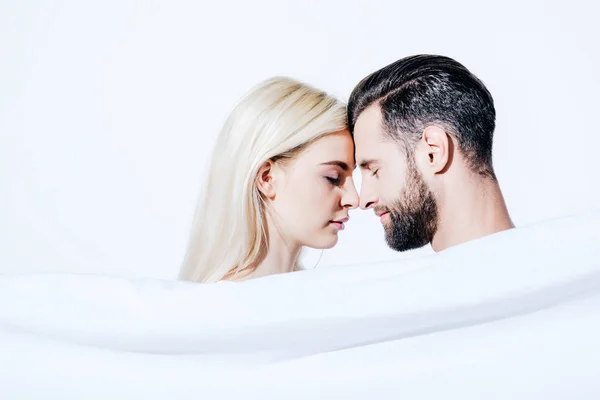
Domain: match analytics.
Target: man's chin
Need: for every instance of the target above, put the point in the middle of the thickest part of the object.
(402, 244)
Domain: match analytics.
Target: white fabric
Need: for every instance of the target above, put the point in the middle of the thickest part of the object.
(512, 315)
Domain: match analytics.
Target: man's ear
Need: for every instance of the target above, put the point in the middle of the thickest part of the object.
(437, 148)
(264, 179)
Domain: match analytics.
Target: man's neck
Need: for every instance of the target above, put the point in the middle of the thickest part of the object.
(470, 212)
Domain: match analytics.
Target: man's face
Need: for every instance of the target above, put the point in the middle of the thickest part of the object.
(392, 185)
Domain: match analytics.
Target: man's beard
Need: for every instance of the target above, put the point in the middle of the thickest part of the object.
(413, 216)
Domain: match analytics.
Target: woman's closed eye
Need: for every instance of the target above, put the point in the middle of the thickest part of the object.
(334, 180)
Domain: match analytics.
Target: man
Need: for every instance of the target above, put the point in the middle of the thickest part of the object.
(423, 129)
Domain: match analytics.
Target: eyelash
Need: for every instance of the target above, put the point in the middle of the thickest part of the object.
(333, 181)
(375, 172)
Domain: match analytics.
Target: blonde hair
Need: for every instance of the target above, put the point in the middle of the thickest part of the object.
(275, 121)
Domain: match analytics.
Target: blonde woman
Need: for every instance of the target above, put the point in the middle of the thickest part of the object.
(280, 179)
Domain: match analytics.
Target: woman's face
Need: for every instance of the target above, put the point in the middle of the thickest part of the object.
(314, 192)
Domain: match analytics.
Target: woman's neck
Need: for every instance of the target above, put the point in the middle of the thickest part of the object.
(280, 258)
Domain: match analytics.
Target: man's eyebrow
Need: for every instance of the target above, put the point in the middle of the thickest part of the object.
(340, 164)
(366, 164)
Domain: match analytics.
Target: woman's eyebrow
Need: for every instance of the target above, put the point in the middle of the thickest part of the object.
(340, 164)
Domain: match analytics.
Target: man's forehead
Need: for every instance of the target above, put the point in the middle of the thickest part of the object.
(368, 137)
(368, 126)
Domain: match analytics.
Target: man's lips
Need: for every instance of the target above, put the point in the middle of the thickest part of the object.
(382, 215)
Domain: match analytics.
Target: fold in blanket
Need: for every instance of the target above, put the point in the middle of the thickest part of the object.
(511, 315)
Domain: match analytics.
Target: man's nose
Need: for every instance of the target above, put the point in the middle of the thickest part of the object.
(367, 197)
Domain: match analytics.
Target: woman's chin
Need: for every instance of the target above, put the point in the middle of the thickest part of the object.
(324, 243)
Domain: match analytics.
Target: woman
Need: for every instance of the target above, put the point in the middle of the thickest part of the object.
(280, 179)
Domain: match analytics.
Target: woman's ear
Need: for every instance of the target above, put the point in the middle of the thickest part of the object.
(264, 180)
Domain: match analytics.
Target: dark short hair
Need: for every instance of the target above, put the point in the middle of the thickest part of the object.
(422, 90)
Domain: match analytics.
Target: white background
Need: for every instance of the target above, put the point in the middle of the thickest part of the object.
(109, 110)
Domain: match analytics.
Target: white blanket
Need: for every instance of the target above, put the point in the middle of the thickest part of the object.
(515, 315)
